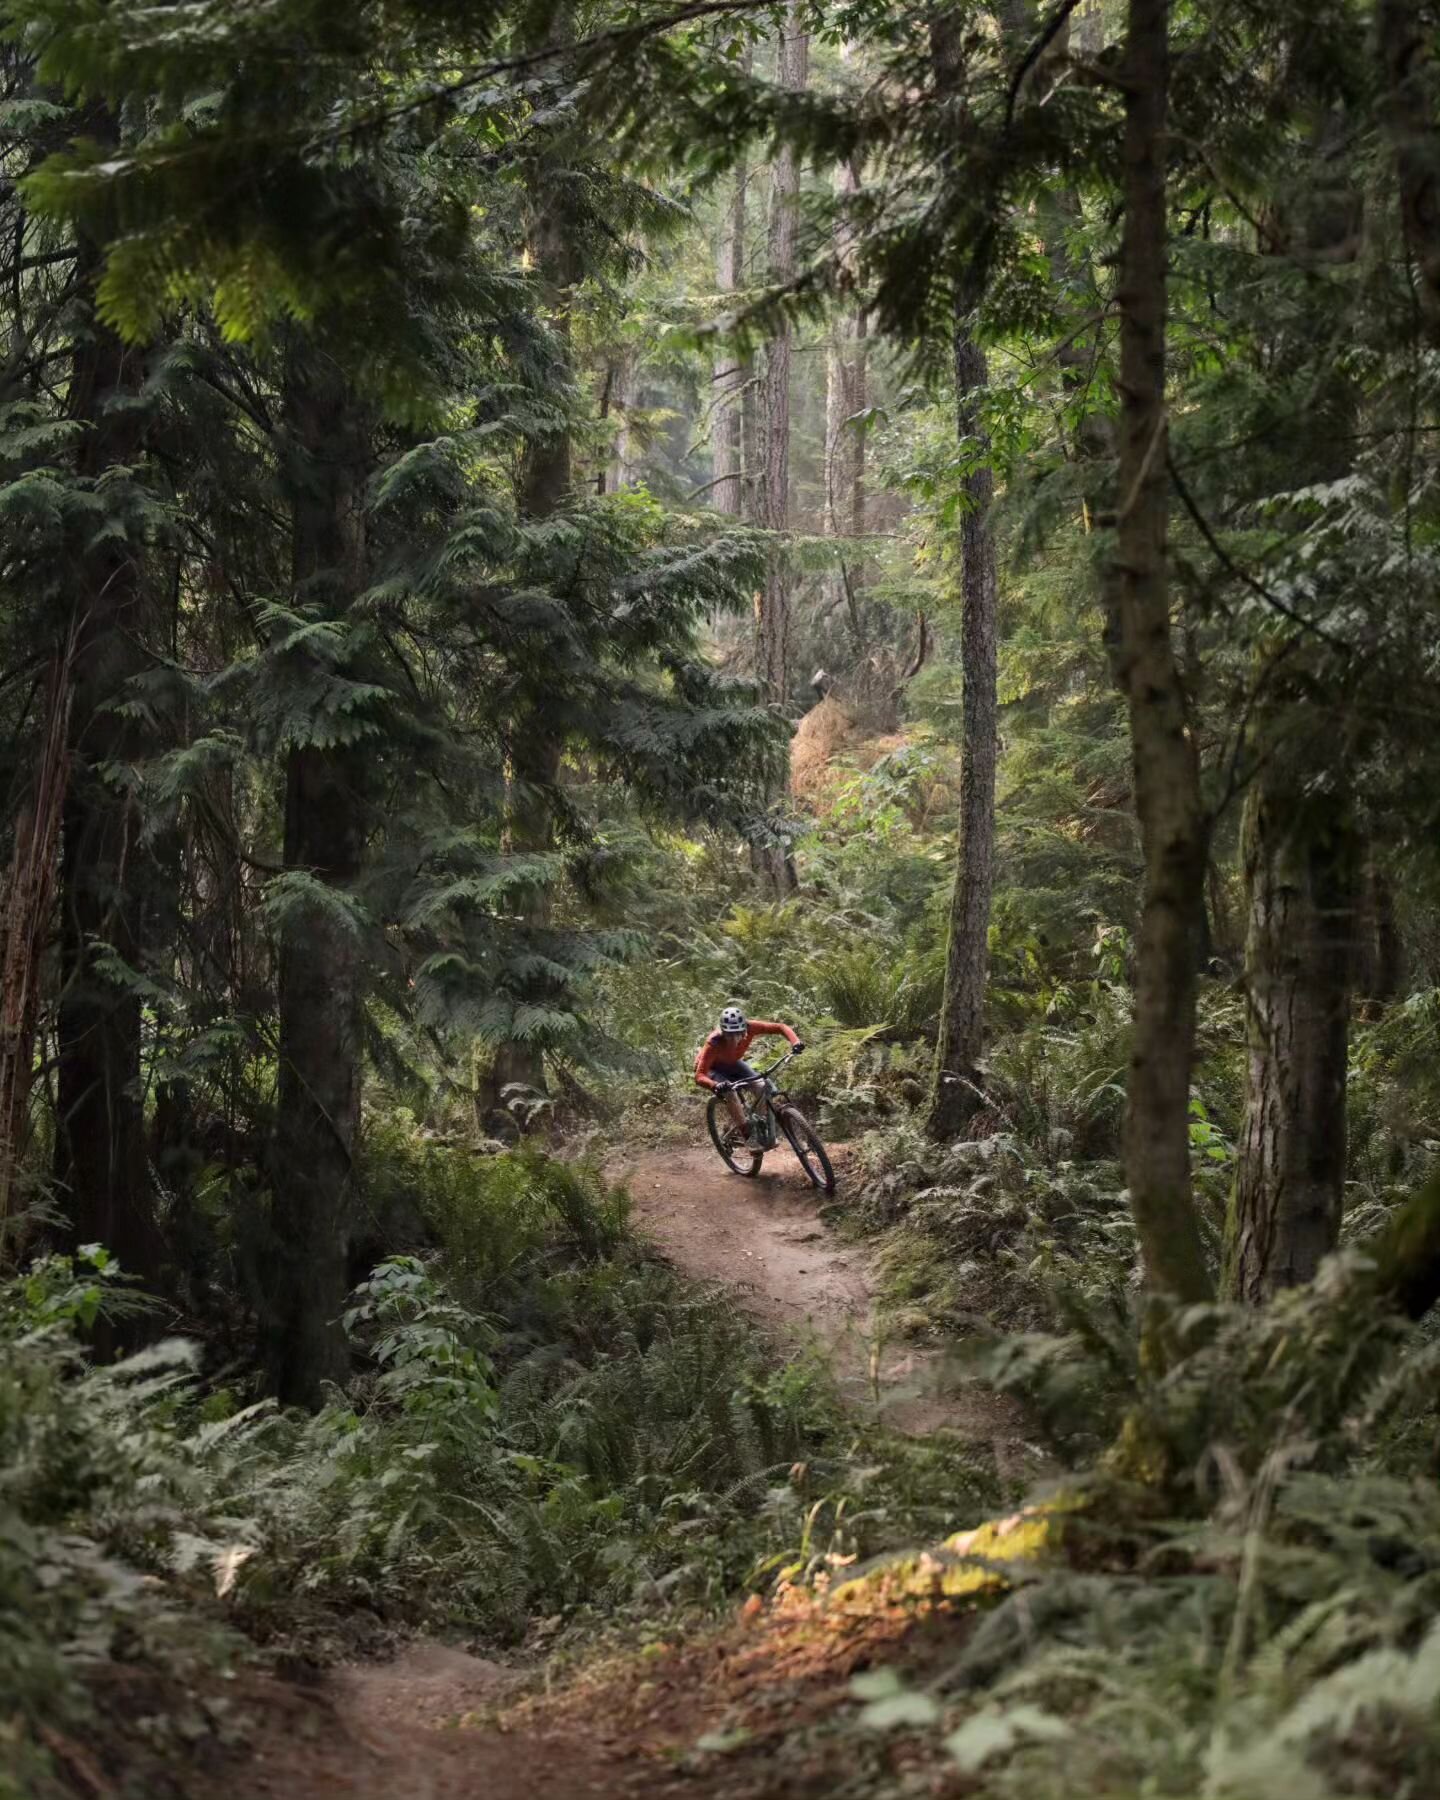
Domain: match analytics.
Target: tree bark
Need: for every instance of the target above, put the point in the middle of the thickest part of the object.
(771, 856)
(772, 618)
(1412, 113)
(752, 406)
(845, 397)
(735, 369)
(1087, 28)
(25, 916)
(958, 1087)
(1300, 864)
(1173, 825)
(100, 1163)
(617, 470)
(321, 966)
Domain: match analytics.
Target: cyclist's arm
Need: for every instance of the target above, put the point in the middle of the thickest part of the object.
(768, 1028)
(703, 1077)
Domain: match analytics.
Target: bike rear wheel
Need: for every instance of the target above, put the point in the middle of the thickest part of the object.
(810, 1153)
(740, 1158)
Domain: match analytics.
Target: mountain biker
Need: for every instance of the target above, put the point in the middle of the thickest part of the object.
(721, 1061)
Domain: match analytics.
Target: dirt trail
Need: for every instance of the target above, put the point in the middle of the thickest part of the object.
(765, 1237)
(422, 1727)
(743, 1712)
(437, 1724)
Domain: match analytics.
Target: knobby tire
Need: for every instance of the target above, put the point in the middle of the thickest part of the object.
(810, 1153)
(743, 1159)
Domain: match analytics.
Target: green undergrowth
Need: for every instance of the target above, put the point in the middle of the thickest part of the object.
(1238, 1595)
(1286, 1644)
(545, 1423)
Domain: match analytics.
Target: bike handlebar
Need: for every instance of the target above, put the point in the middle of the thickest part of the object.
(763, 1074)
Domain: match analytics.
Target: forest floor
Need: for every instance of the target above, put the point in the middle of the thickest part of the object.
(766, 1239)
(745, 1711)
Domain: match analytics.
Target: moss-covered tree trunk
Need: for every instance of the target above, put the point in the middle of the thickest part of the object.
(1300, 873)
(321, 977)
(1173, 825)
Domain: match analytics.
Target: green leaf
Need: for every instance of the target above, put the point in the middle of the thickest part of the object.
(890, 1702)
(993, 1733)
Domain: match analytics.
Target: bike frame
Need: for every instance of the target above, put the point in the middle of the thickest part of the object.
(770, 1134)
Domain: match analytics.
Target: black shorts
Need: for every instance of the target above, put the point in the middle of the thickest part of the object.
(738, 1071)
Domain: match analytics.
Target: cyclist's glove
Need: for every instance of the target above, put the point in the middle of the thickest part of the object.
(722, 1087)
(796, 1047)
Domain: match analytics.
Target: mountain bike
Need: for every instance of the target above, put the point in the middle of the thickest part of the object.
(772, 1114)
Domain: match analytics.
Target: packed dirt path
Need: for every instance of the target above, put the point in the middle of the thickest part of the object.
(765, 1238)
(439, 1724)
(745, 1711)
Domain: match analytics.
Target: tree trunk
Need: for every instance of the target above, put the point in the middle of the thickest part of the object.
(772, 498)
(734, 369)
(100, 1162)
(957, 1091)
(25, 912)
(536, 748)
(752, 407)
(1087, 28)
(1300, 860)
(1405, 34)
(1173, 825)
(772, 618)
(616, 402)
(321, 969)
(845, 397)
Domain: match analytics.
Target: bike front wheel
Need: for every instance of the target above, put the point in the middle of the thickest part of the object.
(738, 1156)
(810, 1153)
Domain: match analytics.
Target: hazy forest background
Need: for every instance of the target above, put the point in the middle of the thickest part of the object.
(521, 524)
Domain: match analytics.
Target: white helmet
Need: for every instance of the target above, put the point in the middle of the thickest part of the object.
(732, 1021)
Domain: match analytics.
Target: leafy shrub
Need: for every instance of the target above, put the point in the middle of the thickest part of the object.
(867, 984)
(112, 1513)
(1240, 1597)
(980, 1235)
(857, 985)
(1287, 1646)
(1393, 1100)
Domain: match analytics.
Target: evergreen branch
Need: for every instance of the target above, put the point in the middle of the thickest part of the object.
(1244, 576)
(587, 52)
(1048, 34)
(705, 486)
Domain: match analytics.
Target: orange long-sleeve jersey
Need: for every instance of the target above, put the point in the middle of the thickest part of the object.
(726, 1051)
